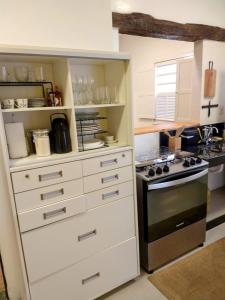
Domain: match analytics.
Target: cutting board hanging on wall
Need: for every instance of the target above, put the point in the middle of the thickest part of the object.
(210, 81)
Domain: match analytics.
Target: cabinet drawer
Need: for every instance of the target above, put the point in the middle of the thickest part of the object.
(106, 179)
(92, 277)
(51, 213)
(110, 194)
(51, 248)
(106, 162)
(48, 195)
(35, 178)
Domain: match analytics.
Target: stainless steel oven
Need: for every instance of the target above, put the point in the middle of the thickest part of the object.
(172, 212)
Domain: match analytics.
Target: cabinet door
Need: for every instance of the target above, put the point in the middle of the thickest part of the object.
(92, 277)
(51, 248)
(107, 179)
(48, 195)
(36, 178)
(106, 162)
(184, 90)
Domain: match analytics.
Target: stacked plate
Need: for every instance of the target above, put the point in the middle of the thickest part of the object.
(37, 102)
(88, 128)
(91, 144)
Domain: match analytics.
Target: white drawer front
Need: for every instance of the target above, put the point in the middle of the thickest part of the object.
(106, 162)
(106, 179)
(110, 194)
(35, 178)
(51, 213)
(48, 195)
(92, 277)
(51, 248)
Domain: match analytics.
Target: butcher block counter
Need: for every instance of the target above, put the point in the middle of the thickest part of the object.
(163, 126)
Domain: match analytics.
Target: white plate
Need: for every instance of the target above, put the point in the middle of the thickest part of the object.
(91, 144)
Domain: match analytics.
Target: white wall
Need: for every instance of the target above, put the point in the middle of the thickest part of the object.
(81, 24)
(208, 12)
(206, 51)
(145, 52)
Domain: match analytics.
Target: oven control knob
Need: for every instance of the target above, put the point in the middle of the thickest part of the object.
(166, 169)
(192, 161)
(151, 172)
(159, 171)
(186, 163)
(198, 160)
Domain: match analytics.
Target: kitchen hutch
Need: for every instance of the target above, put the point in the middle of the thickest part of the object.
(74, 213)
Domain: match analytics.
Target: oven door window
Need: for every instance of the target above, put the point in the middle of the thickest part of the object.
(174, 207)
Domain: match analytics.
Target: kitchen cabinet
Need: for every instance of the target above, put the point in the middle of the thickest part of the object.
(69, 209)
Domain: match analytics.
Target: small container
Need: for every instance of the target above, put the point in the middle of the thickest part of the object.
(41, 141)
(174, 143)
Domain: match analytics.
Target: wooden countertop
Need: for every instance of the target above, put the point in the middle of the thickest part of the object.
(164, 126)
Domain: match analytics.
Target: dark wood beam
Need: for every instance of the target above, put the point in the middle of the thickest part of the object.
(146, 25)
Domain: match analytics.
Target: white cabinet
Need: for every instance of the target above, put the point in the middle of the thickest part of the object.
(92, 277)
(75, 213)
(52, 248)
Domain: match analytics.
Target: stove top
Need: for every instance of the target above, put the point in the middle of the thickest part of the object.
(153, 169)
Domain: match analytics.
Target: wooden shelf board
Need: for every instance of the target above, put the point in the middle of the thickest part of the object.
(164, 126)
(29, 109)
(98, 105)
(33, 159)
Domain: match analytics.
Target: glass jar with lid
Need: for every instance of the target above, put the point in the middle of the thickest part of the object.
(41, 141)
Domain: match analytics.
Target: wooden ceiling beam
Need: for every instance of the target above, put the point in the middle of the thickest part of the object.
(145, 25)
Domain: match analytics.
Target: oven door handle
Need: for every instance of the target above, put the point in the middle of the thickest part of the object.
(177, 182)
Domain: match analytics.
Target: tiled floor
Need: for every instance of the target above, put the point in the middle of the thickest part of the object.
(142, 289)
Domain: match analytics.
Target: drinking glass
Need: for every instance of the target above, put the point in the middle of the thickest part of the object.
(21, 73)
(40, 74)
(4, 74)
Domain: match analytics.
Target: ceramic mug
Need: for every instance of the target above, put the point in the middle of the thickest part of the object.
(109, 138)
(8, 103)
(21, 103)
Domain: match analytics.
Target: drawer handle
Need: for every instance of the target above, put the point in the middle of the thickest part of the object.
(52, 194)
(108, 162)
(180, 224)
(110, 178)
(49, 176)
(54, 213)
(87, 235)
(109, 195)
(86, 280)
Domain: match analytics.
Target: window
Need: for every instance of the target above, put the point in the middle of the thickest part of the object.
(165, 90)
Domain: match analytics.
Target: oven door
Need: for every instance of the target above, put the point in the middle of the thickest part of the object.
(175, 202)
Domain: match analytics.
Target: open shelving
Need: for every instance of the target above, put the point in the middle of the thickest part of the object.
(61, 71)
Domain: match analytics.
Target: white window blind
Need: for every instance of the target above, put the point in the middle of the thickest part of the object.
(165, 90)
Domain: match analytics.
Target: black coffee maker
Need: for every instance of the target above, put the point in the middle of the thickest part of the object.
(60, 134)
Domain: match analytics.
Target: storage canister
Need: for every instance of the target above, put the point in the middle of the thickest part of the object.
(41, 141)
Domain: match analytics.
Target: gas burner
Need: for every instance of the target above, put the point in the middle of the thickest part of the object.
(151, 170)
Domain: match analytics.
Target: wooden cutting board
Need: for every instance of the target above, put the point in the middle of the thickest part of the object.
(210, 81)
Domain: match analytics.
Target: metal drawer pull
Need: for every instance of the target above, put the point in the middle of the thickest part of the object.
(52, 194)
(180, 224)
(110, 178)
(86, 280)
(109, 195)
(109, 162)
(49, 176)
(87, 235)
(54, 213)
